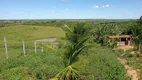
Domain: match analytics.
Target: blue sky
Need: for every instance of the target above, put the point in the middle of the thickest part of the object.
(70, 9)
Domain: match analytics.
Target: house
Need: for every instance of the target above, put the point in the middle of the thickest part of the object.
(124, 40)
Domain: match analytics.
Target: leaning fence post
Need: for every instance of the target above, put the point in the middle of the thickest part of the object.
(6, 51)
(42, 47)
(35, 46)
(24, 48)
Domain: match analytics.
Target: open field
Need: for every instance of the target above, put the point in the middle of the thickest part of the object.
(71, 40)
(26, 32)
(83, 49)
(46, 65)
(15, 35)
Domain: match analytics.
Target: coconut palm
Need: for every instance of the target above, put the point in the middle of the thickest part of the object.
(77, 37)
(102, 32)
(136, 31)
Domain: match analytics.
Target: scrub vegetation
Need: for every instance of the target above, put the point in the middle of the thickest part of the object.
(83, 51)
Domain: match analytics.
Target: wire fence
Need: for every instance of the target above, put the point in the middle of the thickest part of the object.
(12, 49)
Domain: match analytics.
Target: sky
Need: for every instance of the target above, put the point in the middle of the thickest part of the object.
(70, 9)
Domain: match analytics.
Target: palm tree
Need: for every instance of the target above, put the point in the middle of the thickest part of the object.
(136, 31)
(77, 37)
(102, 32)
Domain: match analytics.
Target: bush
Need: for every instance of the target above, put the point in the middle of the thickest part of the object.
(40, 67)
(103, 65)
(119, 52)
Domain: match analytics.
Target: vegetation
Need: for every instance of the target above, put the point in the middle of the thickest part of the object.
(15, 35)
(134, 56)
(135, 29)
(75, 59)
(97, 62)
(77, 37)
(102, 32)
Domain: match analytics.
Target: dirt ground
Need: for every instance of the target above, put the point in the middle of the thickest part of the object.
(130, 71)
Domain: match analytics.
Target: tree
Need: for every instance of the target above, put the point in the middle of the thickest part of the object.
(135, 29)
(139, 21)
(102, 32)
(77, 38)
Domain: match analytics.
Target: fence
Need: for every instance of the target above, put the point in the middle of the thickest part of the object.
(23, 48)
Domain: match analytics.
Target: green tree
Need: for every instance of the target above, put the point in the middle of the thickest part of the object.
(102, 32)
(136, 31)
(77, 37)
(139, 21)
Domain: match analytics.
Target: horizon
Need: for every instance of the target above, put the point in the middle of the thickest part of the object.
(70, 9)
(68, 19)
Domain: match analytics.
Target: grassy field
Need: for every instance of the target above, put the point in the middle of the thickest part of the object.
(26, 32)
(97, 60)
(15, 35)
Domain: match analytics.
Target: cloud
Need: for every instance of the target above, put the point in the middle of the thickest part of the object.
(105, 6)
(95, 6)
(52, 11)
(67, 9)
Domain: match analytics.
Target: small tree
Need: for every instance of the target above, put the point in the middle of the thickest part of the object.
(77, 37)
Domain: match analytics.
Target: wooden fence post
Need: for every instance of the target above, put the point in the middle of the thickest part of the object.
(6, 51)
(35, 46)
(24, 48)
(42, 47)
(51, 45)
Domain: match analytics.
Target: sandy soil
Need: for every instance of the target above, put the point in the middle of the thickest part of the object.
(130, 71)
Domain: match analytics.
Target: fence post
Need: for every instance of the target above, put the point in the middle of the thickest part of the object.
(24, 48)
(35, 46)
(42, 48)
(6, 51)
(51, 45)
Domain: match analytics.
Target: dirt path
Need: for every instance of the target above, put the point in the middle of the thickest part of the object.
(130, 71)
(47, 40)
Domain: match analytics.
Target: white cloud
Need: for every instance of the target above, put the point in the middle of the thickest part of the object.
(52, 11)
(105, 6)
(95, 6)
(67, 9)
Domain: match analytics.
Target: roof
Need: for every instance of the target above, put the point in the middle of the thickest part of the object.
(121, 36)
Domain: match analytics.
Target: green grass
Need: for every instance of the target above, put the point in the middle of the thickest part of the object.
(27, 32)
(15, 35)
(38, 67)
(103, 64)
(136, 63)
(100, 62)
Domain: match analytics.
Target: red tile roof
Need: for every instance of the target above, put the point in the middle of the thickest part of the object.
(121, 36)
